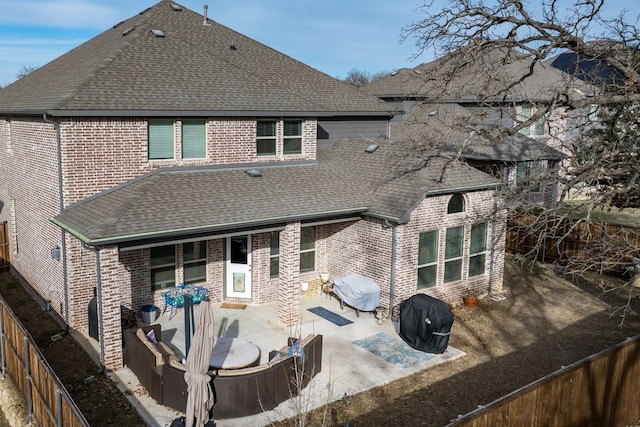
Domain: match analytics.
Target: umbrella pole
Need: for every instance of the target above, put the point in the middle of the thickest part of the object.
(188, 321)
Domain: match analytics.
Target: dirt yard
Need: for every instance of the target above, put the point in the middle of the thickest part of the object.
(545, 323)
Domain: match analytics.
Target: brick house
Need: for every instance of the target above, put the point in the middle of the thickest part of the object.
(171, 149)
(487, 91)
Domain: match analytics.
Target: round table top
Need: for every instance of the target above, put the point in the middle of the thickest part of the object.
(233, 353)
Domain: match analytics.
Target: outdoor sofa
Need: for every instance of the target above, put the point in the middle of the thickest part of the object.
(239, 392)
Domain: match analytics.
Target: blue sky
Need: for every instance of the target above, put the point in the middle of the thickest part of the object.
(334, 36)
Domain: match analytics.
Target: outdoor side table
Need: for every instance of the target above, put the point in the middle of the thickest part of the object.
(233, 353)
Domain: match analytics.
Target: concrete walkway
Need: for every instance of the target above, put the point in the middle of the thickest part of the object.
(346, 368)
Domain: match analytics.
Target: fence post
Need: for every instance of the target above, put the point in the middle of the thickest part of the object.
(2, 361)
(27, 375)
(58, 407)
(604, 242)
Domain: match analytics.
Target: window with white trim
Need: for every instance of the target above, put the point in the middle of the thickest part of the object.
(307, 249)
(266, 137)
(194, 139)
(535, 129)
(428, 259)
(478, 249)
(292, 139)
(160, 137)
(274, 136)
(274, 257)
(163, 267)
(456, 204)
(528, 174)
(194, 255)
(453, 252)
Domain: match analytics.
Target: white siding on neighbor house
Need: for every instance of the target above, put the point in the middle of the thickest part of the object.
(330, 131)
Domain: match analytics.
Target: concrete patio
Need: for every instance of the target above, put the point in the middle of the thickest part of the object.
(347, 368)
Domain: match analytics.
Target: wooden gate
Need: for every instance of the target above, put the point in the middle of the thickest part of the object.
(4, 246)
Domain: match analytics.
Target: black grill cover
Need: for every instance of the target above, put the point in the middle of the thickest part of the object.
(425, 323)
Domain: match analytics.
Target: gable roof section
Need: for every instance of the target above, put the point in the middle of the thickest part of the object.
(345, 181)
(194, 69)
(453, 130)
(483, 77)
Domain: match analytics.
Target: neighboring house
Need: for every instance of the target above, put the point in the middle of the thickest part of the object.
(492, 90)
(454, 131)
(171, 149)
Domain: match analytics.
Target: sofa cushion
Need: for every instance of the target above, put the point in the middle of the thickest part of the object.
(152, 348)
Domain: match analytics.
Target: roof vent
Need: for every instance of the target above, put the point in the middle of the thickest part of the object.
(371, 147)
(158, 33)
(206, 21)
(128, 31)
(176, 7)
(254, 173)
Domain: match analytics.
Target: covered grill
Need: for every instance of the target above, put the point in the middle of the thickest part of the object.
(425, 323)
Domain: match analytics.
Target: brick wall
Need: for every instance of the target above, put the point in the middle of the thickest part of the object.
(98, 154)
(365, 247)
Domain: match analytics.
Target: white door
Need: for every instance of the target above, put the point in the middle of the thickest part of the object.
(239, 266)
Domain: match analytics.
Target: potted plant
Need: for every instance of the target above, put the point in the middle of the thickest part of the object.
(469, 298)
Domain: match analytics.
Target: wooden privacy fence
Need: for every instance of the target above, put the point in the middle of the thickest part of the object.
(601, 390)
(48, 402)
(4, 246)
(600, 246)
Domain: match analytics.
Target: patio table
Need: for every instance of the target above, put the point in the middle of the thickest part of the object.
(174, 296)
(233, 353)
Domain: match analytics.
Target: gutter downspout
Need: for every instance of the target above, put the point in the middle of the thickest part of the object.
(393, 264)
(100, 320)
(493, 296)
(63, 244)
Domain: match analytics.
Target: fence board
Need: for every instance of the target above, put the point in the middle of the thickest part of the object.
(597, 391)
(41, 387)
(5, 259)
(607, 247)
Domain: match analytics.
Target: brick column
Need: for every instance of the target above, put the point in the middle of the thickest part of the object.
(110, 308)
(289, 281)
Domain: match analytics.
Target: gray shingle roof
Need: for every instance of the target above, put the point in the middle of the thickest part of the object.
(462, 77)
(194, 69)
(345, 180)
(452, 130)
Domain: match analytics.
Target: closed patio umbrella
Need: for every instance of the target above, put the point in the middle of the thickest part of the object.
(200, 394)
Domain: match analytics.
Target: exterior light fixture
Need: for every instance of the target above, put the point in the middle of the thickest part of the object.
(55, 253)
(371, 147)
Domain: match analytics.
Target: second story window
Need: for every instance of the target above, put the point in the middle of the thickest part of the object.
(537, 128)
(456, 204)
(266, 137)
(160, 139)
(194, 139)
(528, 175)
(292, 142)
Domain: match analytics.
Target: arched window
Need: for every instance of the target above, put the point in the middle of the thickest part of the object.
(456, 204)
